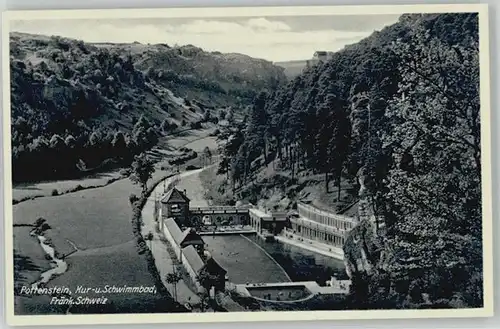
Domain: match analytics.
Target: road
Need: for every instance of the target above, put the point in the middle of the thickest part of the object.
(194, 189)
(163, 261)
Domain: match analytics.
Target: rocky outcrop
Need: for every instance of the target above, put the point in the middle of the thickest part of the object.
(364, 247)
(362, 250)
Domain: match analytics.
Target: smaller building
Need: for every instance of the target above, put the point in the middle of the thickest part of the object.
(189, 249)
(319, 57)
(197, 267)
(217, 273)
(258, 218)
(271, 223)
(175, 204)
(183, 239)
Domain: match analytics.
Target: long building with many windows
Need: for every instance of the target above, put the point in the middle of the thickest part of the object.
(320, 226)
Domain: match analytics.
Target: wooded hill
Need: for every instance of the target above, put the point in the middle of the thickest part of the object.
(400, 109)
(83, 100)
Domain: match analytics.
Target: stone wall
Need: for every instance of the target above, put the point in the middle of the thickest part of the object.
(180, 256)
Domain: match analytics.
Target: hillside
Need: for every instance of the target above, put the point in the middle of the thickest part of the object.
(292, 68)
(84, 99)
(215, 78)
(392, 120)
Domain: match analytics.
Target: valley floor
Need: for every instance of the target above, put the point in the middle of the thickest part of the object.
(96, 222)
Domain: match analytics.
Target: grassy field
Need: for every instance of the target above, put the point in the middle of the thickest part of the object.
(24, 191)
(97, 222)
(27, 268)
(168, 146)
(90, 218)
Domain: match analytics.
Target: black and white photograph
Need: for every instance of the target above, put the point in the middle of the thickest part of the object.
(296, 162)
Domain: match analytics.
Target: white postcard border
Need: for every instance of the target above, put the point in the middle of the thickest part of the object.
(487, 310)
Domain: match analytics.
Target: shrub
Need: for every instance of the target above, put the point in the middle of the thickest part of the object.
(195, 125)
(55, 192)
(39, 221)
(133, 199)
(112, 180)
(78, 188)
(125, 172)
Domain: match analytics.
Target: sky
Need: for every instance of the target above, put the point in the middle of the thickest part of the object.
(278, 38)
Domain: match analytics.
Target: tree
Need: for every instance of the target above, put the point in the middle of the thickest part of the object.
(119, 144)
(70, 142)
(229, 150)
(39, 221)
(143, 134)
(206, 116)
(142, 170)
(206, 281)
(165, 126)
(434, 204)
(230, 116)
(256, 127)
(173, 279)
(207, 156)
(327, 125)
(339, 145)
(222, 114)
(149, 237)
(57, 143)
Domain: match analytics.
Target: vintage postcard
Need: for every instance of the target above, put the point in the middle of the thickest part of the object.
(247, 164)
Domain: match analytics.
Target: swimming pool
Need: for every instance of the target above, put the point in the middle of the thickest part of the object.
(248, 259)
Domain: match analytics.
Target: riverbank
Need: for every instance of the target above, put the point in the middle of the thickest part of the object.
(59, 265)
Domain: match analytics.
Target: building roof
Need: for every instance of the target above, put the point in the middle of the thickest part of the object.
(189, 236)
(183, 239)
(213, 267)
(193, 258)
(175, 196)
(259, 213)
(174, 230)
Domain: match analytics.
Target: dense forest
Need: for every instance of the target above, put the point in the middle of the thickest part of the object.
(100, 104)
(400, 109)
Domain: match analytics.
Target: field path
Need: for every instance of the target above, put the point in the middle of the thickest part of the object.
(104, 250)
(194, 189)
(163, 261)
(92, 228)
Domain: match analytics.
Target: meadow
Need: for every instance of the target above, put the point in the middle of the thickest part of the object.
(97, 221)
(30, 190)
